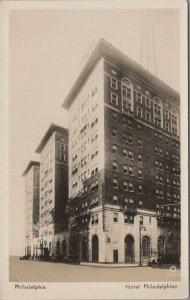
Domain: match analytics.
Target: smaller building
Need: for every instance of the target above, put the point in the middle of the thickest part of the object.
(32, 187)
(53, 150)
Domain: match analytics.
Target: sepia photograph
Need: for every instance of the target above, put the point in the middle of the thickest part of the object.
(97, 150)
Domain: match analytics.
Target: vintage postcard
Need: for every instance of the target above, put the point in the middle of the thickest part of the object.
(94, 130)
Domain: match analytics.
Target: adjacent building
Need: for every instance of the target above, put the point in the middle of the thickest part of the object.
(53, 150)
(32, 189)
(124, 161)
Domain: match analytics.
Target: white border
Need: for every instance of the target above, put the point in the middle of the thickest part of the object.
(90, 290)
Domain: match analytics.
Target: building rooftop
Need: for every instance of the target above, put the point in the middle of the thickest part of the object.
(30, 164)
(106, 50)
(53, 128)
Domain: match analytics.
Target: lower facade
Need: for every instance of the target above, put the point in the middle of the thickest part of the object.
(114, 237)
(110, 235)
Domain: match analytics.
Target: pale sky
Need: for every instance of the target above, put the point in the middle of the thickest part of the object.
(46, 48)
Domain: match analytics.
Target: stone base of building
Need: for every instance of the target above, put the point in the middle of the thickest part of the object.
(109, 239)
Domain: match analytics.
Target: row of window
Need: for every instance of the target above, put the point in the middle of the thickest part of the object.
(141, 98)
(141, 113)
(127, 186)
(159, 166)
(160, 180)
(127, 122)
(129, 139)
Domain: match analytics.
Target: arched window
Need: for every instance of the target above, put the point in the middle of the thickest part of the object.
(158, 112)
(146, 246)
(127, 95)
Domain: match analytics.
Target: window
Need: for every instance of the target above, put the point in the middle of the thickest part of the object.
(167, 126)
(157, 109)
(125, 169)
(126, 219)
(157, 122)
(130, 139)
(114, 132)
(167, 181)
(94, 122)
(147, 102)
(115, 183)
(94, 137)
(114, 166)
(62, 147)
(139, 112)
(114, 149)
(94, 153)
(174, 131)
(127, 138)
(140, 203)
(127, 89)
(140, 143)
(62, 156)
(115, 218)
(141, 220)
(166, 114)
(131, 189)
(160, 152)
(140, 174)
(139, 158)
(92, 220)
(125, 185)
(130, 170)
(94, 170)
(125, 153)
(156, 150)
(114, 83)
(114, 99)
(139, 97)
(115, 199)
(130, 155)
(140, 189)
(156, 164)
(127, 122)
(96, 219)
(148, 116)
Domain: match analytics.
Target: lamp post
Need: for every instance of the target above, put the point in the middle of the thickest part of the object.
(140, 250)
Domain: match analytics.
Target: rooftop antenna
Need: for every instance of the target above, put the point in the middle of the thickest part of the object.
(147, 46)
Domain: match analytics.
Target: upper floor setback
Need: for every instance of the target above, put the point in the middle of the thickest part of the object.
(122, 62)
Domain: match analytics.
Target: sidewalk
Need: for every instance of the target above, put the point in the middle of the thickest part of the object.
(110, 265)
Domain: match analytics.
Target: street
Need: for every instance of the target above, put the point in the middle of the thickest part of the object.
(37, 271)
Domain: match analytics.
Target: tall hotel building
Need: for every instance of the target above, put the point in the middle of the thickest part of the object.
(53, 150)
(124, 158)
(32, 189)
